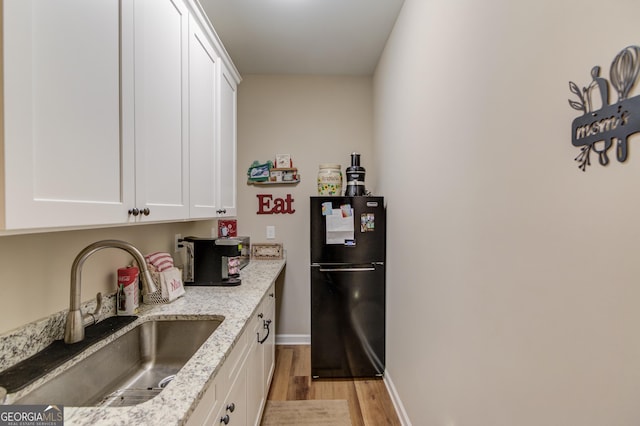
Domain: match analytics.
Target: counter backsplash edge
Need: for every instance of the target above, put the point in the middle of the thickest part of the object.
(25, 341)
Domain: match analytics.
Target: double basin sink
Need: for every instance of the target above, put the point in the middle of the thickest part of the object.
(129, 370)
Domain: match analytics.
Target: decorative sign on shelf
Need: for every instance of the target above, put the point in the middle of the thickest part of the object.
(598, 129)
(269, 205)
(266, 251)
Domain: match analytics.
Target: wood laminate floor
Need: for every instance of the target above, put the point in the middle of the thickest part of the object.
(369, 401)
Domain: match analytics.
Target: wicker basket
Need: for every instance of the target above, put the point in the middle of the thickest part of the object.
(155, 298)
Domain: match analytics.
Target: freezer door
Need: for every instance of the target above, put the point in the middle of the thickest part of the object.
(366, 242)
(347, 321)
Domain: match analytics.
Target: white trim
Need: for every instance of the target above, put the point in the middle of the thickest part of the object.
(395, 398)
(293, 339)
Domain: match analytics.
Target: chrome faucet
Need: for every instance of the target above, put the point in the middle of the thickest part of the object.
(76, 321)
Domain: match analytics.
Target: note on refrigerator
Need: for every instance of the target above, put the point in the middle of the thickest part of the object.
(339, 226)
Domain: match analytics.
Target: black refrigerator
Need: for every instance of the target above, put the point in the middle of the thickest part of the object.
(348, 250)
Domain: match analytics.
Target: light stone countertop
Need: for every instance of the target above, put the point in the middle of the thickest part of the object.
(178, 400)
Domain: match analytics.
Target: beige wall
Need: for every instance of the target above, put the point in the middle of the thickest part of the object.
(513, 277)
(316, 120)
(35, 269)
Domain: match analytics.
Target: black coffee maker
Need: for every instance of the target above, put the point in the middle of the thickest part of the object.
(210, 261)
(355, 177)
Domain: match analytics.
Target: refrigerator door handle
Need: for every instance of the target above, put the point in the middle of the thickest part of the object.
(347, 269)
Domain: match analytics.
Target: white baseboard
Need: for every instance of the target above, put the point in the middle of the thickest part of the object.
(395, 398)
(293, 339)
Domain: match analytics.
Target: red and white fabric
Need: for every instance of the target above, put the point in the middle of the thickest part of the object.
(160, 260)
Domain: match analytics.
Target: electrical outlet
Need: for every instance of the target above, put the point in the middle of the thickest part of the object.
(176, 241)
(271, 232)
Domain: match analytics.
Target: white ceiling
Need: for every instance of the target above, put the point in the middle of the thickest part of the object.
(343, 37)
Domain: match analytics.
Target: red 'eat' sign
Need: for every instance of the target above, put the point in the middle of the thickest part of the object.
(269, 205)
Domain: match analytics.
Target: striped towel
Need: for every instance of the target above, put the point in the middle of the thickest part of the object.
(161, 261)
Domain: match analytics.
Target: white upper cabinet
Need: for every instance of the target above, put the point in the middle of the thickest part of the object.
(160, 56)
(204, 72)
(115, 111)
(212, 127)
(65, 160)
(227, 162)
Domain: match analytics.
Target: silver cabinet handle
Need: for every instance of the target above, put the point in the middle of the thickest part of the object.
(347, 269)
(265, 325)
(135, 211)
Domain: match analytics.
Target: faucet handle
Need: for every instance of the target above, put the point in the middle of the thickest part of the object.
(96, 312)
(96, 316)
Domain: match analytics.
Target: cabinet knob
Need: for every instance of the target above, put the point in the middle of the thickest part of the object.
(225, 419)
(260, 315)
(146, 211)
(134, 211)
(221, 211)
(272, 295)
(231, 407)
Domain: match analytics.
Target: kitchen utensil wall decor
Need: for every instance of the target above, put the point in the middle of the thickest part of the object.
(598, 129)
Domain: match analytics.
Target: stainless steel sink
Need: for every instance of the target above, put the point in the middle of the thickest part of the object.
(130, 370)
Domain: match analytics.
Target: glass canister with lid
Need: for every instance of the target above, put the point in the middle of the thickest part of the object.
(330, 179)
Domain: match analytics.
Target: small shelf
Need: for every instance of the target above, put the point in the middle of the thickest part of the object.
(266, 182)
(275, 173)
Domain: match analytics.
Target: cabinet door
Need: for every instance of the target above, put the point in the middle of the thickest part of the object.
(161, 102)
(207, 408)
(235, 406)
(66, 162)
(227, 161)
(255, 386)
(261, 361)
(269, 344)
(204, 71)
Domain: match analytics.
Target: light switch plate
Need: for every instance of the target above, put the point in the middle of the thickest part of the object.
(271, 232)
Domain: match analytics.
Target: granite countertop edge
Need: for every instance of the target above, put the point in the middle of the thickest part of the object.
(175, 404)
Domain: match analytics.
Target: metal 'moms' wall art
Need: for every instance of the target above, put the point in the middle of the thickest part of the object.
(598, 129)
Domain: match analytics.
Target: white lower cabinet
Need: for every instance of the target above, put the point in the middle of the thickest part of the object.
(269, 348)
(261, 360)
(239, 390)
(209, 406)
(255, 387)
(227, 391)
(234, 408)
